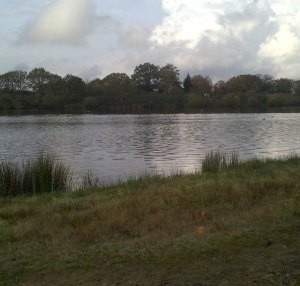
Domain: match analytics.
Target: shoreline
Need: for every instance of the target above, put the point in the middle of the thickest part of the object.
(295, 109)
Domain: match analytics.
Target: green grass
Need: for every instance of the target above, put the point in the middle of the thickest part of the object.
(237, 226)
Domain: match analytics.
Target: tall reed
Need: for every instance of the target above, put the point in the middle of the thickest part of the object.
(10, 179)
(33, 176)
(217, 160)
(89, 181)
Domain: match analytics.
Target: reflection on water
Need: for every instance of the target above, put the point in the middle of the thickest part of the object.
(114, 146)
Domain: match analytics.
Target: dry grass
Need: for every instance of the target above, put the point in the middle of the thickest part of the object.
(153, 219)
(174, 205)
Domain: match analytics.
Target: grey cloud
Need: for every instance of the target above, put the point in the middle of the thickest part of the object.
(220, 53)
(135, 37)
(260, 20)
(22, 67)
(65, 22)
(233, 48)
(91, 73)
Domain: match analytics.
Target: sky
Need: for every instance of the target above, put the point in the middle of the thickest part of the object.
(92, 38)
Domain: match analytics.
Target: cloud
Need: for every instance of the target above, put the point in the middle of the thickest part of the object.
(221, 38)
(64, 22)
(224, 38)
(91, 72)
(22, 67)
(281, 48)
(135, 37)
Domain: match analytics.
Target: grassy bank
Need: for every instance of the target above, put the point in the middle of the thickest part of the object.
(238, 224)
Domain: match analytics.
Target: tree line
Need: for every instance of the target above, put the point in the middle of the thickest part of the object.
(150, 88)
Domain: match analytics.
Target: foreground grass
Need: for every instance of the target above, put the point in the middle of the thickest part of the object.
(238, 226)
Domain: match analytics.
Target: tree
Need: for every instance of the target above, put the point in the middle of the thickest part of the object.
(231, 101)
(146, 76)
(39, 76)
(14, 81)
(53, 94)
(220, 88)
(283, 85)
(268, 83)
(187, 83)
(202, 84)
(75, 87)
(297, 88)
(116, 79)
(20, 79)
(244, 83)
(2, 82)
(169, 79)
(94, 87)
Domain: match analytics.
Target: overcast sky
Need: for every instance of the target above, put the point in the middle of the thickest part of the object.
(92, 38)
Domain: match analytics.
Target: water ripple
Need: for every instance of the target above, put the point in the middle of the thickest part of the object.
(115, 146)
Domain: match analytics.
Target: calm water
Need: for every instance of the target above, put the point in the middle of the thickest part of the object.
(114, 146)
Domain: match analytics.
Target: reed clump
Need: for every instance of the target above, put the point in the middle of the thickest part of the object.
(89, 181)
(43, 174)
(217, 160)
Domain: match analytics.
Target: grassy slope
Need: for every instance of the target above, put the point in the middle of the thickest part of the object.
(238, 227)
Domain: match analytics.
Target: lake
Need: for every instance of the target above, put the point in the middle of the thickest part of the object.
(116, 146)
